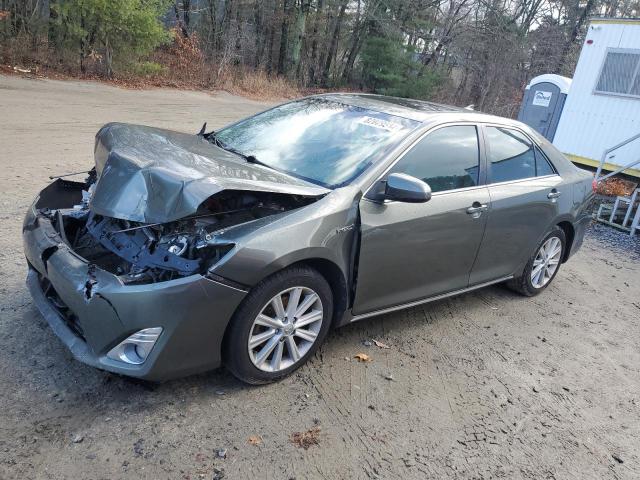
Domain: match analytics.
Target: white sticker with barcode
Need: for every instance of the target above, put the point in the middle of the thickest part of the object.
(379, 123)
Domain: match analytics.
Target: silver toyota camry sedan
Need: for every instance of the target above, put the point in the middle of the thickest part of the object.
(182, 252)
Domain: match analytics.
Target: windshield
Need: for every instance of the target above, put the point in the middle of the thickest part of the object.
(322, 141)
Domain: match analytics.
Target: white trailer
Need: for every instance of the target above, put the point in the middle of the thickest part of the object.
(600, 123)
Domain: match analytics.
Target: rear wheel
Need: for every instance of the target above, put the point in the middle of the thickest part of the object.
(279, 325)
(543, 265)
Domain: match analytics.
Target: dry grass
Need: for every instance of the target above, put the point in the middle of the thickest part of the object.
(258, 85)
(181, 64)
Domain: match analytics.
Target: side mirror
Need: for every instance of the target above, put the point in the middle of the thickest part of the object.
(405, 188)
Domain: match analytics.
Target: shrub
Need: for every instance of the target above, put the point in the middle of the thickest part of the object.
(116, 32)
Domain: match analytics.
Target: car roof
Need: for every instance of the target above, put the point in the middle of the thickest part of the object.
(419, 110)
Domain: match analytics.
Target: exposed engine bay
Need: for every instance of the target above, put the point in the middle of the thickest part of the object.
(142, 253)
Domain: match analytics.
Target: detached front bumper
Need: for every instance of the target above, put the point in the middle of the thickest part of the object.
(92, 311)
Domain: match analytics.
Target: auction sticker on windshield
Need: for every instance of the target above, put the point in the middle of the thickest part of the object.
(380, 123)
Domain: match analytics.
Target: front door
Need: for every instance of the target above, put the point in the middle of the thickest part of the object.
(412, 251)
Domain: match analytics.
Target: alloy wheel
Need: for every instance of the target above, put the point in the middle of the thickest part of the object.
(285, 329)
(546, 262)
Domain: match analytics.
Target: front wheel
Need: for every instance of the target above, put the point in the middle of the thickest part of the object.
(543, 265)
(279, 325)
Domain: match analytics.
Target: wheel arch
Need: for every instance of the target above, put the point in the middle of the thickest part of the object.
(331, 272)
(569, 233)
(334, 276)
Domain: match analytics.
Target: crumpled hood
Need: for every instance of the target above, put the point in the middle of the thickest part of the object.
(153, 175)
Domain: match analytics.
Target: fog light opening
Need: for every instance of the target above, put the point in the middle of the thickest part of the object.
(136, 348)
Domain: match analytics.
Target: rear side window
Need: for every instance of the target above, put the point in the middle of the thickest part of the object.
(543, 166)
(511, 155)
(446, 159)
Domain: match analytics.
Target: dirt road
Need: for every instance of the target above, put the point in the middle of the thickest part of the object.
(486, 385)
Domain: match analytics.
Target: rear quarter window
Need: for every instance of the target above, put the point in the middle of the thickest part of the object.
(558, 161)
(543, 166)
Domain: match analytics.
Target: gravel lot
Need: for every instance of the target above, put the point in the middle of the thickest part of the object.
(486, 385)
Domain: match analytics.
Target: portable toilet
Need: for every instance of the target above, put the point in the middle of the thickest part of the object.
(543, 102)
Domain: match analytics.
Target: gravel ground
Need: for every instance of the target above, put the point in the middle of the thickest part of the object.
(617, 240)
(485, 385)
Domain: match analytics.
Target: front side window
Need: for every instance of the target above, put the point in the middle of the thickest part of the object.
(511, 155)
(446, 159)
(322, 141)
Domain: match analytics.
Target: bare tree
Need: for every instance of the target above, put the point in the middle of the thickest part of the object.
(461, 51)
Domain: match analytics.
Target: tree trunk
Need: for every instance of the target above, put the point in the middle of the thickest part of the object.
(213, 27)
(333, 47)
(284, 37)
(313, 61)
(300, 37)
(179, 21)
(83, 67)
(226, 21)
(186, 15)
(354, 49)
(238, 44)
(51, 26)
(270, 52)
(258, 28)
(108, 58)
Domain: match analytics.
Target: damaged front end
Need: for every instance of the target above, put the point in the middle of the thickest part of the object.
(121, 264)
(140, 253)
(105, 283)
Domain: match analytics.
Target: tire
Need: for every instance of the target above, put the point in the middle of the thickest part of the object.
(248, 362)
(525, 284)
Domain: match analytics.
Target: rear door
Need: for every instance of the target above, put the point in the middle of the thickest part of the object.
(410, 251)
(523, 187)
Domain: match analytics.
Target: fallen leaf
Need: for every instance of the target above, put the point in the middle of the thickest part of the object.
(363, 357)
(380, 344)
(254, 440)
(306, 439)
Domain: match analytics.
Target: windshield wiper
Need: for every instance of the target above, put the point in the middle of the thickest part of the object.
(211, 136)
(253, 159)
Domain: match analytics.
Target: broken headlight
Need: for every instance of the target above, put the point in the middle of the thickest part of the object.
(140, 253)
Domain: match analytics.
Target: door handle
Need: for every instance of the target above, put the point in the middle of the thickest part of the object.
(476, 209)
(554, 194)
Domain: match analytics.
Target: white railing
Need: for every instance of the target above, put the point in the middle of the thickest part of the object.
(607, 152)
(630, 201)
